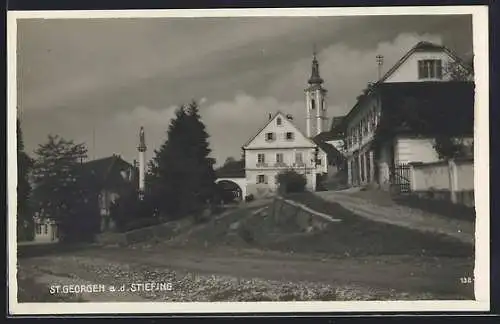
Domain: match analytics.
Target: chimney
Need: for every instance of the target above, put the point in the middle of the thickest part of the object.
(270, 116)
(289, 117)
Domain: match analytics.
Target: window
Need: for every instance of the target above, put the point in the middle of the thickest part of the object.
(38, 229)
(430, 69)
(269, 136)
(279, 157)
(298, 157)
(289, 136)
(261, 178)
(278, 121)
(261, 158)
(45, 229)
(313, 104)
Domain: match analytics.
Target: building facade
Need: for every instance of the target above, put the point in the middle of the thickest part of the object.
(108, 179)
(280, 146)
(45, 230)
(423, 77)
(277, 147)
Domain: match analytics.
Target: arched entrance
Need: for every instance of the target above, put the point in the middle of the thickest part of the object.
(230, 191)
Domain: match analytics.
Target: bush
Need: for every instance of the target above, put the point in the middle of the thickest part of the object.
(440, 207)
(249, 197)
(245, 234)
(291, 181)
(129, 212)
(204, 216)
(320, 182)
(140, 223)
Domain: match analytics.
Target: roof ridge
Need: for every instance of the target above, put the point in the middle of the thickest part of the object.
(279, 112)
(263, 127)
(110, 167)
(411, 51)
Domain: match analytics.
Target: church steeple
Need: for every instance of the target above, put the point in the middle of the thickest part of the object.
(315, 78)
(315, 101)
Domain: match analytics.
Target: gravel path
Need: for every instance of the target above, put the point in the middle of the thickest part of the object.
(404, 216)
(193, 286)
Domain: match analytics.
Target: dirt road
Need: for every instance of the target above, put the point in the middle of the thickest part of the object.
(404, 216)
(438, 277)
(378, 276)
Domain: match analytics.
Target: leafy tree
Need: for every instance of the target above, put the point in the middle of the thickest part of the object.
(181, 172)
(60, 189)
(427, 113)
(458, 71)
(25, 228)
(229, 160)
(445, 145)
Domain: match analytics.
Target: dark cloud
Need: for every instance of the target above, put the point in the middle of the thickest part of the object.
(114, 75)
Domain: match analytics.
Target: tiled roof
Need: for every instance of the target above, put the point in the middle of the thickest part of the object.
(102, 172)
(336, 122)
(270, 119)
(447, 95)
(333, 155)
(329, 136)
(234, 169)
(438, 107)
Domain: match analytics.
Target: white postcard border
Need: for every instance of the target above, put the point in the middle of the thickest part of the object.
(481, 171)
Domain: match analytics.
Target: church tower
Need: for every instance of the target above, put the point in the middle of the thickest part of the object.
(315, 101)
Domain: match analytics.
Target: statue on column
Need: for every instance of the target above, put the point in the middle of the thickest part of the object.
(142, 140)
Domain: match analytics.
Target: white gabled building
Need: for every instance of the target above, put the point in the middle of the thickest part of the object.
(279, 146)
(426, 75)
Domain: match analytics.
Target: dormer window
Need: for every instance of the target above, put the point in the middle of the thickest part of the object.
(269, 137)
(430, 69)
(278, 121)
(289, 136)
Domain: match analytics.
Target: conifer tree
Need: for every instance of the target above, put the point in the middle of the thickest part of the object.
(183, 178)
(25, 229)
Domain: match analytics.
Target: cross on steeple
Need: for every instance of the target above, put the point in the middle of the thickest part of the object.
(315, 77)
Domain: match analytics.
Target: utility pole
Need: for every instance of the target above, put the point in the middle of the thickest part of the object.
(380, 63)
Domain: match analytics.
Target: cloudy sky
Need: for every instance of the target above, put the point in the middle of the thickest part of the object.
(114, 75)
